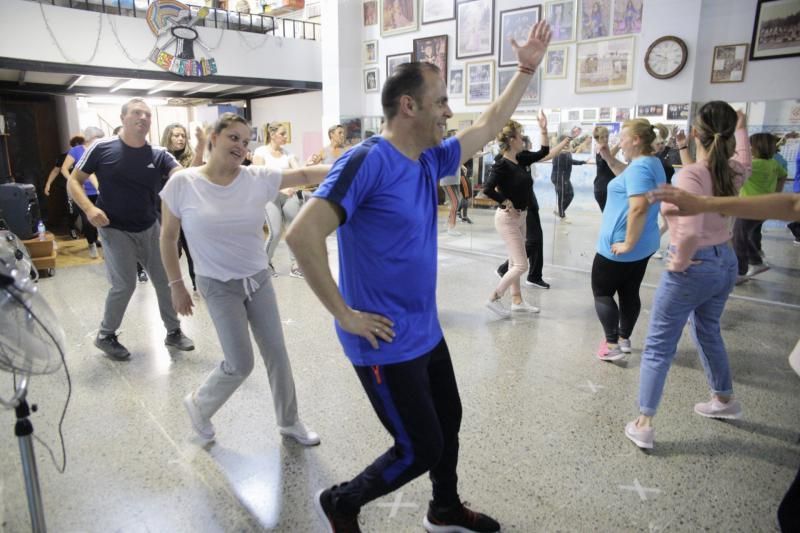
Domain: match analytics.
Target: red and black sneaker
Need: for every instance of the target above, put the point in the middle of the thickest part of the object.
(336, 521)
(458, 519)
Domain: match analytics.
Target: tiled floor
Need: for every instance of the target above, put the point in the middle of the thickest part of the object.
(542, 447)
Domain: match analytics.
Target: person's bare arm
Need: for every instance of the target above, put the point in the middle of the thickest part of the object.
(616, 166)
(200, 147)
(555, 150)
(637, 216)
(96, 216)
(53, 173)
(781, 206)
(68, 163)
(306, 237)
(94, 182)
(529, 56)
(304, 176)
(168, 244)
(683, 148)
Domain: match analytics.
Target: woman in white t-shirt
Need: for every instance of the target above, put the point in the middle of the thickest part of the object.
(284, 208)
(220, 207)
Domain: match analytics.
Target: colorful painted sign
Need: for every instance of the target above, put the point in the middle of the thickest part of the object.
(173, 19)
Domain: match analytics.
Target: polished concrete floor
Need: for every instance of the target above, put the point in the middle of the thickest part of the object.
(542, 447)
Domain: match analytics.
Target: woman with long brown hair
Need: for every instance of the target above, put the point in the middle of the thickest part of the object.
(700, 273)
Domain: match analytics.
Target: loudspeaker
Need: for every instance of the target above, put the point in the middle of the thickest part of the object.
(20, 208)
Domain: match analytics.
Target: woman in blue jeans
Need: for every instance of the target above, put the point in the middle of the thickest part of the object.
(700, 274)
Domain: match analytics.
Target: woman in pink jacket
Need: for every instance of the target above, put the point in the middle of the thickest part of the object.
(700, 274)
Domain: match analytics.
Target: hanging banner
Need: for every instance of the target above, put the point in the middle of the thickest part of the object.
(173, 21)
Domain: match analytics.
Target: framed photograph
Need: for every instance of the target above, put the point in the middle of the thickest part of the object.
(555, 62)
(604, 65)
(371, 80)
(398, 16)
(605, 113)
(650, 111)
(622, 114)
(456, 81)
(395, 60)
(574, 115)
(370, 52)
(628, 16)
(729, 63)
(432, 50)
(515, 24)
(595, 19)
(474, 28)
(775, 32)
(438, 10)
(532, 94)
(352, 130)
(678, 112)
(370, 9)
(480, 82)
(589, 115)
(561, 16)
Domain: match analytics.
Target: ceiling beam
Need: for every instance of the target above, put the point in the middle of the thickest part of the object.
(118, 85)
(74, 80)
(162, 87)
(21, 79)
(200, 89)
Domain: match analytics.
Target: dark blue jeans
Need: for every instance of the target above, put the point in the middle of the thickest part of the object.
(698, 295)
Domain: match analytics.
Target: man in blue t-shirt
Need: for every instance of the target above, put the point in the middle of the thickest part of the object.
(382, 197)
(130, 173)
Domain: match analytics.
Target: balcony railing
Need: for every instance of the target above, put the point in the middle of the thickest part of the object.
(216, 18)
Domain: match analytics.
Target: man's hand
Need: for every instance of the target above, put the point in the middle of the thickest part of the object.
(542, 118)
(181, 299)
(685, 203)
(531, 52)
(368, 325)
(97, 217)
(619, 248)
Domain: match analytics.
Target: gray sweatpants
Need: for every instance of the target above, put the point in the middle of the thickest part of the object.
(279, 213)
(121, 250)
(232, 305)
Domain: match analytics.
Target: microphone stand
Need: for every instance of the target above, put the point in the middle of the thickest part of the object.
(23, 429)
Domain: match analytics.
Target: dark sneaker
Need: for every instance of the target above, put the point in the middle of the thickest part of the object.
(142, 276)
(178, 340)
(111, 347)
(335, 521)
(272, 271)
(538, 283)
(466, 219)
(458, 519)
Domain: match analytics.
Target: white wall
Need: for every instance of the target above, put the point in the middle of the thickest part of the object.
(24, 35)
(303, 111)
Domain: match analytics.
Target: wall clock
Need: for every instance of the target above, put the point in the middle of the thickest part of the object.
(666, 57)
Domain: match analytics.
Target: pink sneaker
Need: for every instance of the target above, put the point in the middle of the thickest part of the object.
(716, 409)
(642, 437)
(609, 353)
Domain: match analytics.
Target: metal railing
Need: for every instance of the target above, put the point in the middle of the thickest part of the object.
(216, 18)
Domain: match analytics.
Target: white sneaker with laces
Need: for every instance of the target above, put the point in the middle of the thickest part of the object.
(754, 270)
(524, 307)
(299, 432)
(454, 233)
(93, 251)
(642, 437)
(496, 306)
(716, 409)
(625, 345)
(200, 423)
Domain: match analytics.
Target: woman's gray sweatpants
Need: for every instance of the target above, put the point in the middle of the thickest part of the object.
(231, 310)
(280, 213)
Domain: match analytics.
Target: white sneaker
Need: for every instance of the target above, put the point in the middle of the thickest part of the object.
(524, 307)
(454, 233)
(754, 270)
(299, 432)
(201, 424)
(497, 306)
(93, 251)
(716, 409)
(625, 345)
(658, 255)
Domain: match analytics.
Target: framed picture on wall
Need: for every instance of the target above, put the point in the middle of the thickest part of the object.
(678, 112)
(438, 10)
(370, 9)
(371, 80)
(622, 114)
(432, 50)
(456, 81)
(650, 111)
(395, 60)
(480, 82)
(370, 52)
(515, 24)
(398, 16)
(775, 31)
(594, 18)
(605, 113)
(561, 16)
(532, 94)
(729, 63)
(573, 115)
(604, 65)
(589, 115)
(474, 28)
(555, 62)
(628, 16)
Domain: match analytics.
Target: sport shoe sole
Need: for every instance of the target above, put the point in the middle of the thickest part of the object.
(498, 309)
(433, 528)
(635, 435)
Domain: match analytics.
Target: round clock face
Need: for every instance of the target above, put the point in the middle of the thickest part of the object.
(665, 57)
